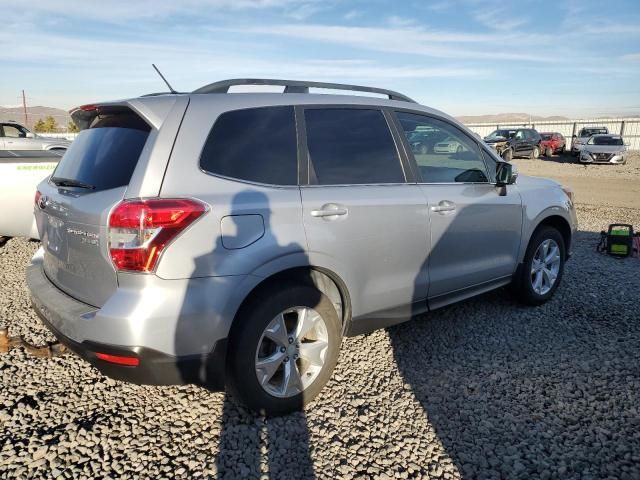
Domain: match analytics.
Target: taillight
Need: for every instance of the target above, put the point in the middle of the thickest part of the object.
(139, 230)
(37, 199)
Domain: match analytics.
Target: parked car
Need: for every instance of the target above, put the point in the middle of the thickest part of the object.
(233, 240)
(603, 149)
(14, 136)
(423, 141)
(449, 145)
(20, 173)
(515, 142)
(552, 142)
(583, 136)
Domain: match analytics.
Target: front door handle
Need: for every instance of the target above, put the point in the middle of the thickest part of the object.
(444, 206)
(329, 210)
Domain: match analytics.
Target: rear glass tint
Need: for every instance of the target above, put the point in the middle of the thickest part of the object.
(351, 146)
(256, 145)
(106, 154)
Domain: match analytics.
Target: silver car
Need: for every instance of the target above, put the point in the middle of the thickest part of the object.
(603, 149)
(233, 239)
(14, 136)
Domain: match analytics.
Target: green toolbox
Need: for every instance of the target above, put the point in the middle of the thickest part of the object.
(620, 240)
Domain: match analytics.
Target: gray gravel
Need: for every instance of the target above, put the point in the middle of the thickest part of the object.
(483, 389)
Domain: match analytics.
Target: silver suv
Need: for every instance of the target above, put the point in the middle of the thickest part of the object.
(233, 239)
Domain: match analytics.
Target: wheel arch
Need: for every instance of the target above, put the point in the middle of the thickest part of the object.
(325, 280)
(559, 223)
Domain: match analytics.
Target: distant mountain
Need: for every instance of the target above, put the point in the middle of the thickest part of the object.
(516, 118)
(16, 114)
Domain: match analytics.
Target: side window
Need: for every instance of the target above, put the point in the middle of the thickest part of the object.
(351, 146)
(256, 144)
(11, 131)
(520, 135)
(445, 154)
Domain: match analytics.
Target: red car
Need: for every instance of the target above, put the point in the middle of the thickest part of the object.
(552, 142)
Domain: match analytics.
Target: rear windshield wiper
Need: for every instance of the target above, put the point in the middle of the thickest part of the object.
(69, 182)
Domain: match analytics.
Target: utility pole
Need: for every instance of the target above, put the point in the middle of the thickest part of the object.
(24, 107)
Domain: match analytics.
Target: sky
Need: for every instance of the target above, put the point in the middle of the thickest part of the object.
(466, 57)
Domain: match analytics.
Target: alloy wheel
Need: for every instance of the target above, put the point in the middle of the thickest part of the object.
(291, 351)
(545, 266)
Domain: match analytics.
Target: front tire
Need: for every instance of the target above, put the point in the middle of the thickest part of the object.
(535, 153)
(283, 349)
(507, 156)
(549, 152)
(540, 274)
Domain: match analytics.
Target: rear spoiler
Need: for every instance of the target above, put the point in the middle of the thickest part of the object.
(84, 115)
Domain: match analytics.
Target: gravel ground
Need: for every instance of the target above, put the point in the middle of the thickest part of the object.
(610, 185)
(482, 389)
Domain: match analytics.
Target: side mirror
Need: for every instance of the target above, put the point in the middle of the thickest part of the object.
(505, 174)
(30, 135)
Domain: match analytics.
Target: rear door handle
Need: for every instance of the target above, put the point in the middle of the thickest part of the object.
(329, 210)
(444, 206)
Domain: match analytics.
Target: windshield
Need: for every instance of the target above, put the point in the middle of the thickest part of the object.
(105, 155)
(606, 141)
(546, 136)
(501, 134)
(587, 132)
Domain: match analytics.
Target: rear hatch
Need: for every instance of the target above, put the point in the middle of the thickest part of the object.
(74, 203)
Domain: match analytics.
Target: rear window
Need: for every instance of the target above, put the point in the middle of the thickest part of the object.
(256, 145)
(105, 155)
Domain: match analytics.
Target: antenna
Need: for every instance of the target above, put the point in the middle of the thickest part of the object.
(163, 79)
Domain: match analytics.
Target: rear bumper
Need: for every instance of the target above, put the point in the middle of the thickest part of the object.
(87, 331)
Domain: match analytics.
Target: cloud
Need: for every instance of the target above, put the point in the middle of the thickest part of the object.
(123, 11)
(440, 6)
(499, 18)
(306, 10)
(351, 14)
(412, 41)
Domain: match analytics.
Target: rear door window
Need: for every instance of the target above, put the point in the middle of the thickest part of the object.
(255, 145)
(105, 155)
(349, 146)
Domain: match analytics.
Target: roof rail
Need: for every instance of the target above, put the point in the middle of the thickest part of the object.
(298, 86)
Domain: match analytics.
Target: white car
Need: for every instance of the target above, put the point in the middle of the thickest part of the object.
(14, 136)
(448, 145)
(20, 173)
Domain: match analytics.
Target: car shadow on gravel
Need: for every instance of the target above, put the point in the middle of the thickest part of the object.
(535, 392)
(558, 158)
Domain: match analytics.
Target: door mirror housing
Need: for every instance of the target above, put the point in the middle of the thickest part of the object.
(505, 174)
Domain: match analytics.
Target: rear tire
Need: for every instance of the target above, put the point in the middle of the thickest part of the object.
(254, 342)
(507, 156)
(540, 274)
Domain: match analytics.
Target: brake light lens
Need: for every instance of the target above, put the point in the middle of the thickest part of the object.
(37, 199)
(139, 230)
(119, 359)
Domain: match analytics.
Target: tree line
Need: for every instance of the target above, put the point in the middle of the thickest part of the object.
(49, 125)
